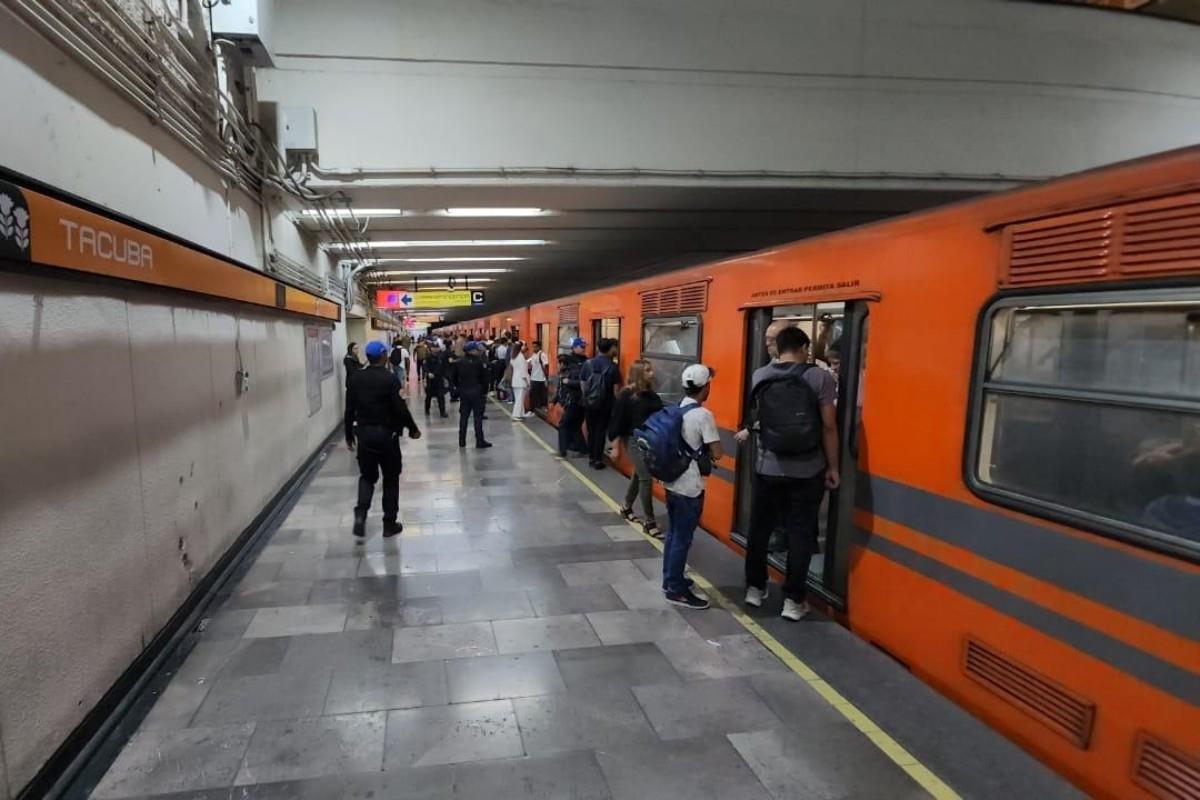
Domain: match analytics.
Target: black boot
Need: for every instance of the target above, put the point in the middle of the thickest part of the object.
(360, 526)
(392, 528)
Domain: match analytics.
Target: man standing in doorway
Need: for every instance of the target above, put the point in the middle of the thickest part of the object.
(470, 379)
(376, 415)
(600, 379)
(793, 412)
(539, 367)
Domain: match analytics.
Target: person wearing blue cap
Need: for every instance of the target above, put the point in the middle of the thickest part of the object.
(470, 380)
(376, 415)
(570, 397)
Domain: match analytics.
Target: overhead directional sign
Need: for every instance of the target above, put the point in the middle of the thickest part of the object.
(427, 299)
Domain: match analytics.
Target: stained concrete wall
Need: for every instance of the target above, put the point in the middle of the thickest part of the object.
(128, 462)
(933, 88)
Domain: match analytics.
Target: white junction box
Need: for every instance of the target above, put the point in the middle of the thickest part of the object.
(297, 130)
(248, 23)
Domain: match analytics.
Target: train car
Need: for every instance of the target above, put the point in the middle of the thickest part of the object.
(1019, 407)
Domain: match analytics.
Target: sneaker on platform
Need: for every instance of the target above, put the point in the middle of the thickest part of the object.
(687, 599)
(795, 611)
(755, 597)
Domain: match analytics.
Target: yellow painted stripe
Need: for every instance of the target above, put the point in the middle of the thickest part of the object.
(887, 745)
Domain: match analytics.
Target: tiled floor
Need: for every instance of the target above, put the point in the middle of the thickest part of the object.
(511, 643)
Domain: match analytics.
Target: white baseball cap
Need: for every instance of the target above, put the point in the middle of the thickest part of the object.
(697, 376)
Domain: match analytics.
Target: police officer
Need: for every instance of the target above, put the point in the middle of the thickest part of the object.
(470, 380)
(376, 415)
(570, 397)
(435, 379)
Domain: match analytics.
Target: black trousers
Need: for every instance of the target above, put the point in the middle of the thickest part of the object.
(433, 390)
(597, 432)
(569, 435)
(796, 504)
(470, 404)
(539, 397)
(378, 451)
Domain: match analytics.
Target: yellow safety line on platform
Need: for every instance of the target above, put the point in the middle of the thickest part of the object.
(890, 747)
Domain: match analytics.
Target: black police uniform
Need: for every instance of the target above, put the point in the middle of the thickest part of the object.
(470, 379)
(435, 382)
(570, 397)
(373, 401)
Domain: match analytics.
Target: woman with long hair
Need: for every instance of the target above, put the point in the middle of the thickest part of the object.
(636, 402)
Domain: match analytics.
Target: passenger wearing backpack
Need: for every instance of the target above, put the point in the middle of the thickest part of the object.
(792, 411)
(680, 444)
(600, 379)
(635, 404)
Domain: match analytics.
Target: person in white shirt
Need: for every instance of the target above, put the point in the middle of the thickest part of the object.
(539, 369)
(685, 495)
(520, 381)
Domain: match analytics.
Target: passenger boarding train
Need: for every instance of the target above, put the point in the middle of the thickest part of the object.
(1019, 403)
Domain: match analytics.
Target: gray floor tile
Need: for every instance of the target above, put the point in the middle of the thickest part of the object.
(486, 606)
(527, 576)
(461, 640)
(794, 701)
(592, 572)
(284, 593)
(293, 620)
(699, 708)
(650, 566)
(263, 697)
(715, 622)
(226, 624)
(581, 721)
(614, 667)
(544, 633)
(156, 762)
(417, 783)
(176, 706)
(388, 686)
(452, 734)
(311, 568)
(623, 533)
(309, 748)
(577, 600)
(341, 650)
(645, 594)
(355, 590)
(720, 657)
(441, 584)
(256, 657)
(500, 677)
(696, 769)
(393, 613)
(378, 564)
(473, 559)
(566, 776)
(206, 660)
(627, 627)
(835, 762)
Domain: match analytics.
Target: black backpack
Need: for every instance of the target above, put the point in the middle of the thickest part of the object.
(789, 413)
(595, 386)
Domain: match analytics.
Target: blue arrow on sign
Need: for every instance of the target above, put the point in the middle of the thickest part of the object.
(406, 299)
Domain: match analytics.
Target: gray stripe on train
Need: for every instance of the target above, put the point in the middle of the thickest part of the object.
(1144, 666)
(1154, 592)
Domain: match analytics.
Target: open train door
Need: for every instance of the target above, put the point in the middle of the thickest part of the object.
(838, 331)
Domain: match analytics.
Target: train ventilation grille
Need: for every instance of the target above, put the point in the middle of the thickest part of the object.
(568, 314)
(689, 298)
(1153, 238)
(1164, 771)
(1045, 700)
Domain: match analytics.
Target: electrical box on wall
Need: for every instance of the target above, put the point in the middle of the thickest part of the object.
(297, 130)
(247, 23)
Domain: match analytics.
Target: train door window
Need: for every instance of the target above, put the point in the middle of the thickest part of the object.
(543, 335)
(1087, 411)
(607, 328)
(565, 334)
(670, 344)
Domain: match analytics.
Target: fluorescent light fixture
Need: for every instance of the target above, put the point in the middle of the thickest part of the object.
(445, 260)
(431, 284)
(494, 212)
(484, 271)
(346, 213)
(399, 243)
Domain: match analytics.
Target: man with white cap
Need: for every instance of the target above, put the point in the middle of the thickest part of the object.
(685, 494)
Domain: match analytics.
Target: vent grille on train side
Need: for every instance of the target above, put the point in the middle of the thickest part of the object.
(1164, 771)
(568, 315)
(1047, 701)
(689, 298)
(1153, 238)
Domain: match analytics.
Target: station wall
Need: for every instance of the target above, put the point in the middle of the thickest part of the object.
(129, 462)
(856, 88)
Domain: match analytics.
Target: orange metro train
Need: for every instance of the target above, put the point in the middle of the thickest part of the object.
(1019, 403)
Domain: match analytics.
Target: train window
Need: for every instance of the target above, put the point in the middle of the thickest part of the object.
(565, 334)
(1089, 409)
(670, 344)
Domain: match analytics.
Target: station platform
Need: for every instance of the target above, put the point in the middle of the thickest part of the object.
(513, 643)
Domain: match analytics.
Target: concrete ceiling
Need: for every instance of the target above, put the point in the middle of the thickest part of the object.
(602, 235)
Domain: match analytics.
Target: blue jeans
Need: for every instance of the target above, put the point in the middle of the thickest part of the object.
(683, 515)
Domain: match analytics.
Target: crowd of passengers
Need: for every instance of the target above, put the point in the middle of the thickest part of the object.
(792, 415)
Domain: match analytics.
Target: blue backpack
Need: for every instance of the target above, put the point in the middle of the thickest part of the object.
(660, 441)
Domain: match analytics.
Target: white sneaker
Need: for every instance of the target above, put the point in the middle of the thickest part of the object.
(795, 611)
(528, 414)
(755, 597)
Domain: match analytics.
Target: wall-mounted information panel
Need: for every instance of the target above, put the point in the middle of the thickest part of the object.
(38, 229)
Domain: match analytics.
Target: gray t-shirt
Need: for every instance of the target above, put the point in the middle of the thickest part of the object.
(804, 466)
